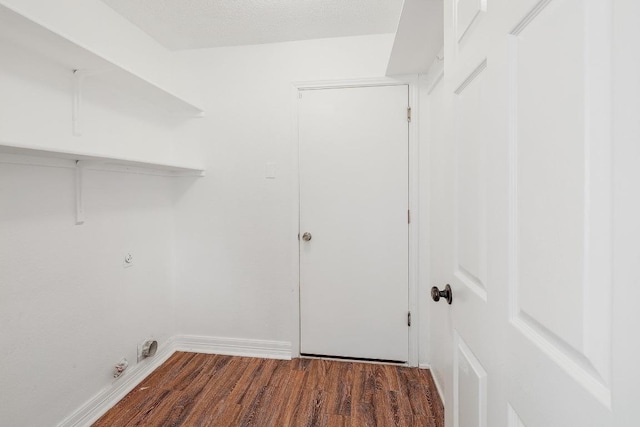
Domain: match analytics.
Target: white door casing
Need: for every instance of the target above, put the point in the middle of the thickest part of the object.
(353, 154)
(527, 105)
(437, 161)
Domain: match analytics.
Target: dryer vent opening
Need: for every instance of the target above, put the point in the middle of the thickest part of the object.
(149, 349)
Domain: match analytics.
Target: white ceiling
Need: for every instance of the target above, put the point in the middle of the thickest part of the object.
(191, 24)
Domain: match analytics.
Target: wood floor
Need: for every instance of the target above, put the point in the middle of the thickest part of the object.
(193, 389)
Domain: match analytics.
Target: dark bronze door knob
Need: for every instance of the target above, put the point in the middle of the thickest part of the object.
(436, 294)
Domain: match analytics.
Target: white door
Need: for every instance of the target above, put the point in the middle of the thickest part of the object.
(353, 149)
(527, 96)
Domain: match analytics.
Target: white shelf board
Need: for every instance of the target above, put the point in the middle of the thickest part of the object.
(419, 37)
(55, 47)
(22, 154)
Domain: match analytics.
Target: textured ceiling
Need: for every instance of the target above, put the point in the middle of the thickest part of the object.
(190, 24)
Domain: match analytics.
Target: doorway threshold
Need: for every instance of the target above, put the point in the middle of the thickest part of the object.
(351, 359)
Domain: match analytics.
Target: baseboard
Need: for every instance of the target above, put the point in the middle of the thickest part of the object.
(435, 381)
(93, 409)
(234, 346)
(109, 396)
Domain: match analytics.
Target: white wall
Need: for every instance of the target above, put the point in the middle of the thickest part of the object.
(213, 255)
(69, 310)
(235, 228)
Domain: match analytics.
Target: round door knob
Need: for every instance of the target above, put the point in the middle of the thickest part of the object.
(436, 294)
(306, 236)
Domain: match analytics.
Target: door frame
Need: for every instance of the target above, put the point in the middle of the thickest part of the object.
(411, 81)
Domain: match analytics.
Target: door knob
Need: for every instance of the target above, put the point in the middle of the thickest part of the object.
(436, 294)
(306, 236)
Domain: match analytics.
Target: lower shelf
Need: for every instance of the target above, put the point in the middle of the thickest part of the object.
(17, 154)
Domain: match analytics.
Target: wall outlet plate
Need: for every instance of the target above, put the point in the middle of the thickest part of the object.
(127, 261)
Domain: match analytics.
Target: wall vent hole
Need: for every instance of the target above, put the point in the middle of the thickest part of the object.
(149, 348)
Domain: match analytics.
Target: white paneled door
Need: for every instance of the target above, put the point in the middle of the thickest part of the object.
(528, 97)
(353, 154)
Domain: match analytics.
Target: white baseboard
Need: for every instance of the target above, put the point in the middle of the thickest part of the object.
(234, 346)
(93, 409)
(435, 380)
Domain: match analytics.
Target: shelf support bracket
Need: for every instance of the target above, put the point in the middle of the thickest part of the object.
(78, 77)
(79, 202)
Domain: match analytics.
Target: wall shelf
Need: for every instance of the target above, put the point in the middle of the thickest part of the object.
(33, 37)
(23, 154)
(40, 156)
(19, 33)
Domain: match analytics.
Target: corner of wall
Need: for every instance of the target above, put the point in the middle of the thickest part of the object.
(97, 406)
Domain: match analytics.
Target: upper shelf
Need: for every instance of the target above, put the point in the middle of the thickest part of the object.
(98, 161)
(36, 38)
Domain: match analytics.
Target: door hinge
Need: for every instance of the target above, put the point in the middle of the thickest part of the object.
(408, 217)
(409, 319)
(409, 114)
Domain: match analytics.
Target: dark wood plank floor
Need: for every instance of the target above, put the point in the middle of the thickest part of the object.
(193, 389)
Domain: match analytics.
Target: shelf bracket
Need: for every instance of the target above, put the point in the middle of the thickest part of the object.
(79, 203)
(78, 78)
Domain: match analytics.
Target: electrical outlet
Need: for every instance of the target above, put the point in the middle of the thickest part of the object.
(128, 260)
